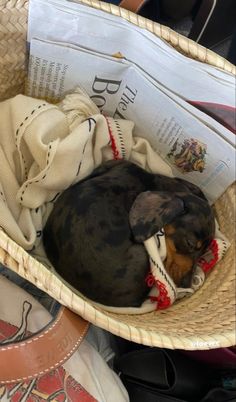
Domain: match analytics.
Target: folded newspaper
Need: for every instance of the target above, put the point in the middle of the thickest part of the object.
(184, 108)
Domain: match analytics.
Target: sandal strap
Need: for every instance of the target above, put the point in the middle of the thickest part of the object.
(43, 351)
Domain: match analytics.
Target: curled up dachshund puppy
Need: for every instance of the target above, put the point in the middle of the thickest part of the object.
(94, 235)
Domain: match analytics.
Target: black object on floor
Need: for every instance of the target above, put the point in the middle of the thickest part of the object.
(220, 395)
(232, 50)
(153, 374)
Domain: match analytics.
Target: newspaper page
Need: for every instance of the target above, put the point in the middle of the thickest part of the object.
(122, 90)
(60, 20)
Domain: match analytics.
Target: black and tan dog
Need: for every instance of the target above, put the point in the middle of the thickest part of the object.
(94, 234)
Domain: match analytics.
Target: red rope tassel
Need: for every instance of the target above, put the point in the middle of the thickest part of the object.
(163, 300)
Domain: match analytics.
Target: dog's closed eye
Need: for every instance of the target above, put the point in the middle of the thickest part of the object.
(187, 243)
(191, 244)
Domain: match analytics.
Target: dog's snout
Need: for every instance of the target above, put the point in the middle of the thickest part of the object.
(177, 265)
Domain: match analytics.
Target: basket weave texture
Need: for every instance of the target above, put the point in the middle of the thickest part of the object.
(205, 320)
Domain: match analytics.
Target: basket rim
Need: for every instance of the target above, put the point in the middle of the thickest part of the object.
(17, 259)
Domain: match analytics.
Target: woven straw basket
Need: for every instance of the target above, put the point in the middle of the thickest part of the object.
(205, 320)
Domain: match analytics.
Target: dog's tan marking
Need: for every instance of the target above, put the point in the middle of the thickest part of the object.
(177, 265)
(199, 244)
(169, 229)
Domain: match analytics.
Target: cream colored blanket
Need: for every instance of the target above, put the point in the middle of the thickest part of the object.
(46, 148)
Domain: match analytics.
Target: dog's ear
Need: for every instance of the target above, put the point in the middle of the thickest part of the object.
(152, 210)
(195, 190)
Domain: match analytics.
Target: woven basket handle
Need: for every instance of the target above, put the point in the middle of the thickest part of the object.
(43, 351)
(132, 5)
